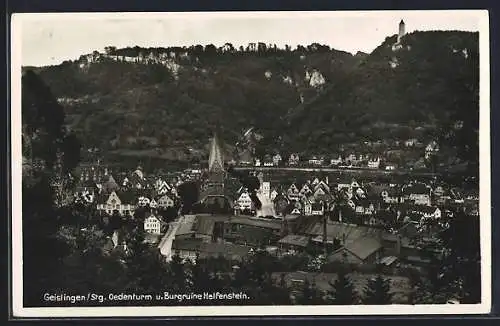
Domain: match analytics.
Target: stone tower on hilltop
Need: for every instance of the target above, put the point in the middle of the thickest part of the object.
(401, 31)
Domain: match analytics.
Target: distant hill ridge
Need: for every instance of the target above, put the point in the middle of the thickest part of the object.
(307, 99)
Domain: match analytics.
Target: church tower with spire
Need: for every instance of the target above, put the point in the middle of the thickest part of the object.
(216, 173)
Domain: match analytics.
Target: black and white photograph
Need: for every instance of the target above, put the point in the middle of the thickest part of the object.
(250, 163)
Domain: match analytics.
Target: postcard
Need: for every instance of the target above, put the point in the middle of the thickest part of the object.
(250, 163)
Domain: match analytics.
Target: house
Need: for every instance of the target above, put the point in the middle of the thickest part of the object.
(359, 192)
(307, 207)
(252, 231)
(293, 159)
(411, 142)
(392, 195)
(143, 201)
(320, 193)
(368, 207)
(268, 161)
(305, 190)
(117, 201)
(374, 163)
(230, 251)
(198, 227)
(162, 187)
(315, 160)
(344, 183)
(419, 193)
(153, 224)
(165, 202)
(186, 249)
(431, 149)
(293, 192)
(323, 184)
(277, 159)
(351, 158)
(365, 250)
(336, 161)
(189, 250)
(355, 184)
(390, 166)
(273, 194)
(265, 189)
(281, 202)
(109, 185)
(245, 202)
(317, 209)
(430, 212)
(294, 242)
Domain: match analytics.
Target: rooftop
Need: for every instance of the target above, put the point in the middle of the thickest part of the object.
(296, 240)
(257, 222)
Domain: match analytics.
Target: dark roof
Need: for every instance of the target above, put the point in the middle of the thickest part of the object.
(394, 191)
(335, 229)
(228, 250)
(189, 245)
(375, 189)
(126, 196)
(186, 225)
(427, 209)
(364, 247)
(418, 188)
(203, 225)
(109, 184)
(409, 230)
(316, 206)
(262, 223)
(296, 240)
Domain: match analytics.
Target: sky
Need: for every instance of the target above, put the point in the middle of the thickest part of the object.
(49, 39)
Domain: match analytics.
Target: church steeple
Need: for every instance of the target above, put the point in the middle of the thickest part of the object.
(216, 173)
(216, 159)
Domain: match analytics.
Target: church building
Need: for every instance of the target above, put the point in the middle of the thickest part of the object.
(213, 195)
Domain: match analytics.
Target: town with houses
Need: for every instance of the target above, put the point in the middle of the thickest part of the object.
(375, 205)
(329, 214)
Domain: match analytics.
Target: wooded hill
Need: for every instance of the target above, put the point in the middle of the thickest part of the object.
(309, 99)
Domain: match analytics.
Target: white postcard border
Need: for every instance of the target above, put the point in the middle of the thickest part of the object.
(77, 312)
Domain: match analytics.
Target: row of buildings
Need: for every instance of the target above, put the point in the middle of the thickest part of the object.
(364, 221)
(372, 160)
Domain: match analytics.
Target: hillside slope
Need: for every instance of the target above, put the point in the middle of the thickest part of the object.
(308, 99)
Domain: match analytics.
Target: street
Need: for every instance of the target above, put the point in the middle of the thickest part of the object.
(165, 245)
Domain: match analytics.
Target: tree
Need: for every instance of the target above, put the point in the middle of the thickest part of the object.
(310, 294)
(201, 279)
(177, 275)
(343, 292)
(210, 49)
(377, 291)
(145, 268)
(110, 49)
(189, 193)
(48, 158)
(454, 273)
